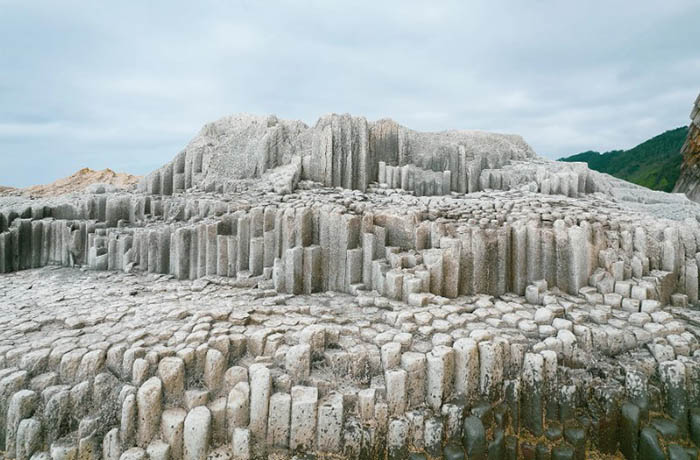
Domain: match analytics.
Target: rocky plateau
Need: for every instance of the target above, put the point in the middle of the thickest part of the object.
(351, 289)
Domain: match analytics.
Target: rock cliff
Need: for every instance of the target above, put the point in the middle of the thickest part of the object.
(689, 182)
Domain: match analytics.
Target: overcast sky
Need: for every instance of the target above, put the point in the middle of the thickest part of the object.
(126, 84)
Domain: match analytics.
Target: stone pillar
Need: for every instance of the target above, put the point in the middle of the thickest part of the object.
(303, 418)
(182, 253)
(396, 382)
(467, 368)
(562, 255)
(293, 270)
(330, 419)
(194, 253)
(382, 173)
(578, 260)
(238, 407)
(278, 275)
(534, 252)
(257, 222)
(367, 257)
(257, 252)
(393, 284)
(440, 376)
(269, 248)
(397, 439)
(260, 389)
(480, 272)
(531, 406)
(673, 378)
(222, 255)
(202, 240)
(232, 256)
(433, 260)
(353, 268)
(451, 266)
(153, 251)
(197, 432)
(548, 257)
(312, 276)
(212, 249)
(172, 427)
(414, 364)
(243, 243)
(164, 259)
(241, 444)
(37, 234)
(21, 406)
(519, 257)
(278, 424)
(298, 362)
(551, 388)
(171, 371)
(288, 230)
(304, 227)
(490, 369)
(149, 404)
(214, 368)
(691, 281)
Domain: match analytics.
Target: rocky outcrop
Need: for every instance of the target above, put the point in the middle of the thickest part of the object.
(689, 181)
(338, 151)
(351, 290)
(85, 179)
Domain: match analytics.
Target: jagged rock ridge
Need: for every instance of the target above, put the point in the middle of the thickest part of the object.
(340, 150)
(689, 182)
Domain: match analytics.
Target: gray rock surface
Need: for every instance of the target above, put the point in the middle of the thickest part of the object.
(352, 289)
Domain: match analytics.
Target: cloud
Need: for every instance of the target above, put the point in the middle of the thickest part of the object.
(126, 85)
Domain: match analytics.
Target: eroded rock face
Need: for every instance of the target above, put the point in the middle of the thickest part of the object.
(353, 289)
(689, 181)
(340, 150)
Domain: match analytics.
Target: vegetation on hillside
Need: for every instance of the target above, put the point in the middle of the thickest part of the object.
(655, 163)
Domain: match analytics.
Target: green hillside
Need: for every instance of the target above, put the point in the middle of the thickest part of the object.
(655, 163)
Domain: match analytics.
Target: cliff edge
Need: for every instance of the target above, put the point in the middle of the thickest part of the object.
(689, 181)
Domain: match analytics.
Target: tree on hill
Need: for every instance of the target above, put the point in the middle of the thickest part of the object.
(655, 163)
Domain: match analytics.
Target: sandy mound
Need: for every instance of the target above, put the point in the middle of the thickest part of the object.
(77, 182)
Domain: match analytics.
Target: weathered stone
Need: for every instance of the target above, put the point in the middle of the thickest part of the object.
(303, 417)
(279, 420)
(238, 406)
(649, 446)
(172, 428)
(298, 362)
(629, 430)
(21, 406)
(260, 389)
(196, 435)
(149, 404)
(474, 438)
(171, 371)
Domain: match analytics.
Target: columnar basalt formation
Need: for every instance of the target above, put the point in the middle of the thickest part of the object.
(351, 290)
(689, 181)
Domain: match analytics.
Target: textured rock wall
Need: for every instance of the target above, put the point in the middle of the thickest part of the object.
(405, 255)
(340, 150)
(689, 181)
